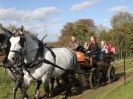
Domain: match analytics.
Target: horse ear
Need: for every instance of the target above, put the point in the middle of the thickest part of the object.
(21, 31)
(22, 28)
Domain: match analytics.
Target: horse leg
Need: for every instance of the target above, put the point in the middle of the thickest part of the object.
(37, 89)
(66, 80)
(52, 83)
(23, 90)
(18, 85)
(45, 80)
(58, 82)
(22, 86)
(15, 89)
(52, 86)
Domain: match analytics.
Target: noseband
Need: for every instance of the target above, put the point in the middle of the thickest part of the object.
(22, 50)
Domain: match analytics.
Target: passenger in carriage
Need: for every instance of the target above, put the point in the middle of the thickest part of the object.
(112, 49)
(107, 51)
(75, 45)
(94, 48)
(86, 47)
(104, 50)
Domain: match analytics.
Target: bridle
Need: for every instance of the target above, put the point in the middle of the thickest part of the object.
(22, 52)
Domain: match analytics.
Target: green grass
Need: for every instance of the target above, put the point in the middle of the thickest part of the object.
(122, 92)
(116, 90)
(119, 65)
(6, 86)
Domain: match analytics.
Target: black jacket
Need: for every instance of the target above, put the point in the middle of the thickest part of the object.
(94, 49)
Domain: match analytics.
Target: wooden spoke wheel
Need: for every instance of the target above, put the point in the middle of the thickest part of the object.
(111, 74)
(93, 78)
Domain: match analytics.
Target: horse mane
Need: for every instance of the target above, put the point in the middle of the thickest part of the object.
(16, 31)
(4, 30)
(33, 36)
(26, 32)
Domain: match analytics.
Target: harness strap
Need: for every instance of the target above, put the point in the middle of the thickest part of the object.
(54, 65)
(40, 50)
(42, 61)
(53, 54)
(12, 69)
(40, 53)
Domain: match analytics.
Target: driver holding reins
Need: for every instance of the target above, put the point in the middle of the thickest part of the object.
(94, 48)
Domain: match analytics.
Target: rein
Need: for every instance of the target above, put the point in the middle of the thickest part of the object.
(39, 60)
(46, 61)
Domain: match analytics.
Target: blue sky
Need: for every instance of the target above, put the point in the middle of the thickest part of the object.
(49, 16)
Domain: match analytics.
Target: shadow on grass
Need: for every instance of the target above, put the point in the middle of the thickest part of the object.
(119, 75)
(60, 90)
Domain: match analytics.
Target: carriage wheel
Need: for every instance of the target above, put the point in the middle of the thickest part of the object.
(111, 74)
(93, 78)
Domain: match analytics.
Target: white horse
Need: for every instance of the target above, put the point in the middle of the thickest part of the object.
(5, 47)
(65, 58)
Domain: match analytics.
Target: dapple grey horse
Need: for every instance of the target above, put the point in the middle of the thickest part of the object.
(5, 47)
(65, 58)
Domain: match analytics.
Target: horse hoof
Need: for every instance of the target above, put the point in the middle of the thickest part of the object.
(51, 94)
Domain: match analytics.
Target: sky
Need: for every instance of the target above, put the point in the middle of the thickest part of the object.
(49, 16)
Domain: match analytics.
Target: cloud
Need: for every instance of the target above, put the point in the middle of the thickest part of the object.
(118, 9)
(83, 5)
(11, 14)
(54, 21)
(38, 14)
(37, 20)
(41, 13)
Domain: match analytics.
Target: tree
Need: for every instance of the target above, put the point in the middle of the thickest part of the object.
(118, 20)
(122, 30)
(83, 29)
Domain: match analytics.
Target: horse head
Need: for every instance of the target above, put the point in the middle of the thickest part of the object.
(5, 34)
(18, 44)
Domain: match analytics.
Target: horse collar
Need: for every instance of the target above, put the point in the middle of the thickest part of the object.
(40, 50)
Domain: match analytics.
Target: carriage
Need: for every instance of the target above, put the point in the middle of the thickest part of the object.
(96, 72)
(93, 70)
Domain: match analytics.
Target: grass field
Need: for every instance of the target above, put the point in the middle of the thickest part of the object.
(116, 90)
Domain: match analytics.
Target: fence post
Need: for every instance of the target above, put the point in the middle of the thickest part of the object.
(121, 54)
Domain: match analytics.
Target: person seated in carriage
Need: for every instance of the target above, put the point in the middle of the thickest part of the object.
(86, 46)
(94, 48)
(112, 49)
(104, 50)
(94, 51)
(75, 45)
(107, 51)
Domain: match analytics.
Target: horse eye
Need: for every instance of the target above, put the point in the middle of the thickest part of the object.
(22, 43)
